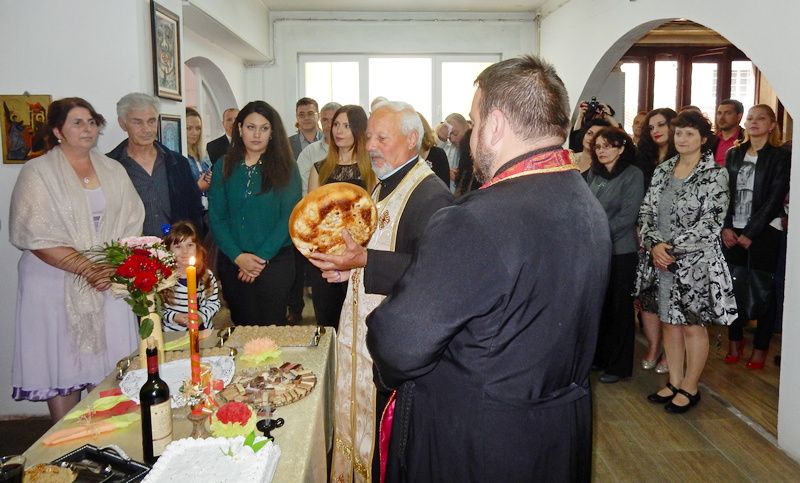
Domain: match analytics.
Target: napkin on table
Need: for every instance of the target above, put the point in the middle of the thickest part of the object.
(110, 403)
(83, 431)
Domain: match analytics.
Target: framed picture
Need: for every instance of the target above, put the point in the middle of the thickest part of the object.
(169, 131)
(24, 118)
(166, 52)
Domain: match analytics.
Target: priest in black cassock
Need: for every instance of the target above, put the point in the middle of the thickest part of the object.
(490, 342)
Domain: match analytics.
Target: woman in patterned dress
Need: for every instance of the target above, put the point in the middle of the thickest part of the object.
(682, 275)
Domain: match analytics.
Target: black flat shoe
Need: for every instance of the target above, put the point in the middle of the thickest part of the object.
(658, 399)
(671, 407)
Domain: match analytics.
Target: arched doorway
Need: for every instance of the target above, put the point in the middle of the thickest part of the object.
(210, 93)
(585, 57)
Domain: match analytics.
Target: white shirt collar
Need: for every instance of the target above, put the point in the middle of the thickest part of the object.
(398, 168)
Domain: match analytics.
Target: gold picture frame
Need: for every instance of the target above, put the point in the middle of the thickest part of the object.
(24, 121)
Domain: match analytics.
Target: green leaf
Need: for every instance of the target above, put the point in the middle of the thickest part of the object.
(250, 438)
(259, 445)
(145, 328)
(140, 311)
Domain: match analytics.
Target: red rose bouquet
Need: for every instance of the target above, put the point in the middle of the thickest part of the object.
(144, 267)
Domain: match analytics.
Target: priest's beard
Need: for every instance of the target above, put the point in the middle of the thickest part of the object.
(383, 170)
(483, 159)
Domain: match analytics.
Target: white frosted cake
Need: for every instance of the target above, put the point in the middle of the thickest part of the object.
(206, 460)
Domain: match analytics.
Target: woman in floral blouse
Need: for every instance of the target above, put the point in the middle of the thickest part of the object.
(682, 275)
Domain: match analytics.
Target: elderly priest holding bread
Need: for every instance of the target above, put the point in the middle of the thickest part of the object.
(491, 341)
(407, 195)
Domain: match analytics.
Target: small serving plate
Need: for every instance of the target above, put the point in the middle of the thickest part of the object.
(123, 470)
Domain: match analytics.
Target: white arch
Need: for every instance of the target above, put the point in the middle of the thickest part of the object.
(217, 87)
(585, 38)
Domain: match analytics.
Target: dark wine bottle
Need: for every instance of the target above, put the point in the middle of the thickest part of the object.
(156, 410)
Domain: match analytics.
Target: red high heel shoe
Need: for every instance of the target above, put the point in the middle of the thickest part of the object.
(734, 359)
(756, 365)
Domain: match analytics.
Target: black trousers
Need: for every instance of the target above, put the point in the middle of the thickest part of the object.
(764, 251)
(327, 297)
(617, 326)
(296, 302)
(262, 302)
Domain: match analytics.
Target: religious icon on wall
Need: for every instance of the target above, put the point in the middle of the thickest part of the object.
(169, 132)
(166, 52)
(24, 120)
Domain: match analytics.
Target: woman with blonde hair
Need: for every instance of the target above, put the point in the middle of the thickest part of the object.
(196, 152)
(433, 154)
(758, 169)
(347, 161)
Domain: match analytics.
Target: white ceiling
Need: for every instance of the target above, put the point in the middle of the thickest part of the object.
(502, 6)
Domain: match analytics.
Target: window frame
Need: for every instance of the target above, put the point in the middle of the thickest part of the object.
(646, 57)
(363, 70)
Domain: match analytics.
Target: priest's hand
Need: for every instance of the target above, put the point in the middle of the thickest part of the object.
(354, 256)
(336, 276)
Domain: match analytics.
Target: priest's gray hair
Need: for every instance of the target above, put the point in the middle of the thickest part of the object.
(530, 94)
(136, 101)
(409, 119)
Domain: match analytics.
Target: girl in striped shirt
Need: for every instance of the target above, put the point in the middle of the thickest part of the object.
(184, 242)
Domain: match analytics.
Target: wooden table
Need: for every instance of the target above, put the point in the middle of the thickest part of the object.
(305, 439)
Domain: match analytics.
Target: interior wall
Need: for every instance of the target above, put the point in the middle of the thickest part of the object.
(72, 54)
(99, 61)
(318, 33)
(586, 56)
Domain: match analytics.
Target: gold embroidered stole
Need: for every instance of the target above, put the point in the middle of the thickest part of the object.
(354, 394)
(549, 161)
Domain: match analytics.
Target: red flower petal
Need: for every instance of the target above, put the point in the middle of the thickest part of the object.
(234, 412)
(128, 269)
(149, 265)
(144, 281)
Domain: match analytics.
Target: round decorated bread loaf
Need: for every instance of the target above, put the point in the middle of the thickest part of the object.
(317, 222)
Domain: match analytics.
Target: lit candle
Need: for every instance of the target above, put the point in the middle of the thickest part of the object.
(194, 342)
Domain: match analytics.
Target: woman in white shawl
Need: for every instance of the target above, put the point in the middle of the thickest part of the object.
(70, 330)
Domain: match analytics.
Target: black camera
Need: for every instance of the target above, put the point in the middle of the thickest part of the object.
(593, 106)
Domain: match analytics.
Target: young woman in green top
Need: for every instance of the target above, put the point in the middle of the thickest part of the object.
(251, 198)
